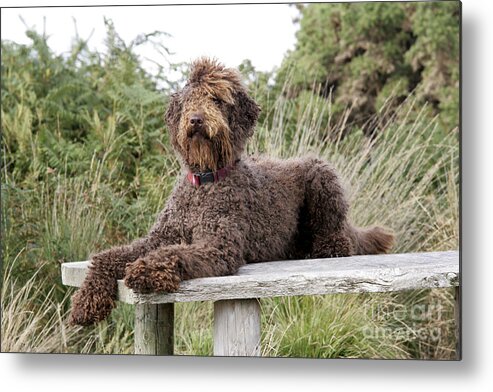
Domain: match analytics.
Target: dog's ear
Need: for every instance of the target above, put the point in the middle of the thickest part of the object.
(173, 113)
(172, 118)
(245, 113)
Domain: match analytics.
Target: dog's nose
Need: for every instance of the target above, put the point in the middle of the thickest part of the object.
(197, 120)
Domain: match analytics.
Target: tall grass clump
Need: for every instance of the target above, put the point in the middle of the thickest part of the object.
(405, 177)
(86, 164)
(33, 320)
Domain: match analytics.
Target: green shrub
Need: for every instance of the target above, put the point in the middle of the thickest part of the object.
(357, 52)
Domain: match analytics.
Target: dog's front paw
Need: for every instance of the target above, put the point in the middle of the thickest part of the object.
(146, 275)
(90, 307)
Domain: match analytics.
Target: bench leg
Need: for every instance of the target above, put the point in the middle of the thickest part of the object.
(237, 327)
(154, 329)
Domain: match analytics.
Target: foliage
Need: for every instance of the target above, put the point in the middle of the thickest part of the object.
(358, 55)
(86, 164)
(89, 122)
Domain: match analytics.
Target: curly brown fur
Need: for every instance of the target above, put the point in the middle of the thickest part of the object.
(265, 209)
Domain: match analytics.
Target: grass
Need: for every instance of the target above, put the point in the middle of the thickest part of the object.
(32, 321)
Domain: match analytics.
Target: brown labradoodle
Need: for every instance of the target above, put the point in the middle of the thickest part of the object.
(226, 209)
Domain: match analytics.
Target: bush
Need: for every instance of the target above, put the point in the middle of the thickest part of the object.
(361, 54)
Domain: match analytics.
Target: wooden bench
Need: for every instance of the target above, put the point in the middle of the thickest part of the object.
(236, 297)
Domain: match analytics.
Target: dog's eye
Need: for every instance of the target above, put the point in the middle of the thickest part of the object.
(217, 101)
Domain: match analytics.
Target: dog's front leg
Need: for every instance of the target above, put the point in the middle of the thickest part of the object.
(96, 297)
(163, 269)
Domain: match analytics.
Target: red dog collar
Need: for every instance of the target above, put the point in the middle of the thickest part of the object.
(198, 179)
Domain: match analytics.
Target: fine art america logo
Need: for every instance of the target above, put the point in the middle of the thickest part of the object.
(405, 322)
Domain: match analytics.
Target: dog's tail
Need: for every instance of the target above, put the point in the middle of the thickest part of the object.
(373, 240)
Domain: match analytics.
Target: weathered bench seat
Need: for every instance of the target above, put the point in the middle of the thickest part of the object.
(237, 309)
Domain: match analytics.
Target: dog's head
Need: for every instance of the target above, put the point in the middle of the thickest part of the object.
(211, 118)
